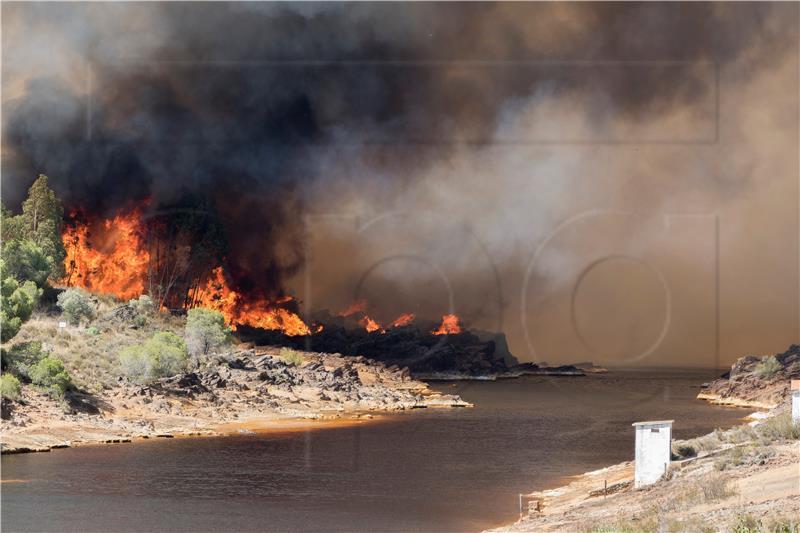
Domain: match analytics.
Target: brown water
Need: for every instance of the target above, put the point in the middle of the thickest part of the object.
(434, 470)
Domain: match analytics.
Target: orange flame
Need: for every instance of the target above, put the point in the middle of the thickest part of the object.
(403, 320)
(450, 325)
(370, 325)
(113, 261)
(266, 315)
(359, 306)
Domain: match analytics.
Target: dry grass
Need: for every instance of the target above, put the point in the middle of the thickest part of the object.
(292, 357)
(778, 428)
(90, 353)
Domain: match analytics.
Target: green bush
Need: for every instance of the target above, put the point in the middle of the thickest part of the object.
(17, 301)
(768, 367)
(163, 355)
(10, 388)
(293, 357)
(23, 356)
(75, 304)
(50, 375)
(206, 331)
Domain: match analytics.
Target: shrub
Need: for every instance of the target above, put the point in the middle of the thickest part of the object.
(205, 331)
(10, 388)
(293, 357)
(163, 355)
(75, 304)
(143, 305)
(747, 523)
(682, 449)
(22, 357)
(779, 427)
(50, 375)
(768, 367)
(715, 487)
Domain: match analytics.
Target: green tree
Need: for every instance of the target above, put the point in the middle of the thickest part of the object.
(50, 374)
(75, 304)
(205, 331)
(17, 302)
(43, 217)
(25, 260)
(10, 388)
(40, 222)
(163, 355)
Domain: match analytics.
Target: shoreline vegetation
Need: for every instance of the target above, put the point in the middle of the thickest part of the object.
(241, 389)
(744, 479)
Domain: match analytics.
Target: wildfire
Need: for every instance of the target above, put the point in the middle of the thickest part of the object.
(107, 256)
(266, 315)
(450, 325)
(403, 320)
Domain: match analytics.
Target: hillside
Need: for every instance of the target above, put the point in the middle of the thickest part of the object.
(235, 387)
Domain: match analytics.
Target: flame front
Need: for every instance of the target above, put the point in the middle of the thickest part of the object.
(450, 325)
(109, 256)
(109, 259)
(403, 320)
(359, 306)
(266, 315)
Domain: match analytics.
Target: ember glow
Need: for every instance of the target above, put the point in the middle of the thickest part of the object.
(106, 256)
(450, 325)
(266, 315)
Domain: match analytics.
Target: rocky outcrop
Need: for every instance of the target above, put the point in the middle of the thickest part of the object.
(755, 381)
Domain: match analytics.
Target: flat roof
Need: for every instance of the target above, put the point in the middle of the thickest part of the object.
(653, 423)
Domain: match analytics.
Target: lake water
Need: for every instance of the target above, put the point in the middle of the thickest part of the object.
(428, 470)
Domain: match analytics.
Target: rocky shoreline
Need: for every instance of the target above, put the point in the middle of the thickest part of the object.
(754, 381)
(251, 388)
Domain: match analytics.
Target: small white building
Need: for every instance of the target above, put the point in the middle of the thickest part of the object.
(653, 451)
(795, 391)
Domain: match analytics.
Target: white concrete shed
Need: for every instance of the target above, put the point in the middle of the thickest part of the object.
(653, 451)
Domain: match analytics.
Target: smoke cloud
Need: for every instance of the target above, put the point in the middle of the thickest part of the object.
(476, 158)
